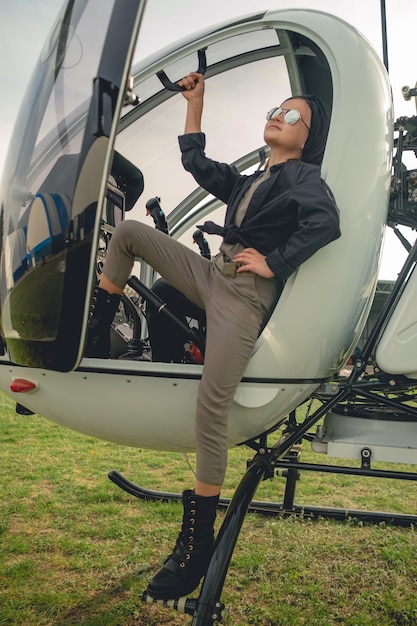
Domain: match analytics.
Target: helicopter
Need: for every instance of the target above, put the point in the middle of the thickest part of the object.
(84, 150)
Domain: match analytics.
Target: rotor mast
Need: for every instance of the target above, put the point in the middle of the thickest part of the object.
(384, 34)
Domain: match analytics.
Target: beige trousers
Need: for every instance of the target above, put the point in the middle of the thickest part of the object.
(235, 310)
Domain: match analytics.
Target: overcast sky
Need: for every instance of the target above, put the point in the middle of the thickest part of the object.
(25, 24)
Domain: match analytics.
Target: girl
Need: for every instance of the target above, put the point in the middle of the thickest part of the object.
(275, 220)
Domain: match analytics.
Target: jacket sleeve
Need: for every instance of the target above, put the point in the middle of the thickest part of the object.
(219, 179)
(318, 223)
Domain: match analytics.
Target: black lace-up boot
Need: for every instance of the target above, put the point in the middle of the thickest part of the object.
(103, 308)
(185, 567)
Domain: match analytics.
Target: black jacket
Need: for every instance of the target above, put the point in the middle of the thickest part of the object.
(290, 216)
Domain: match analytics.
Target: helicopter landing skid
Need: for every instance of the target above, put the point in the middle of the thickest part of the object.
(207, 608)
(290, 470)
(282, 458)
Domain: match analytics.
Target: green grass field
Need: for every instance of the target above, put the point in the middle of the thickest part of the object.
(75, 549)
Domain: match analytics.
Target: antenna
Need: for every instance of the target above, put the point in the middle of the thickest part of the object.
(384, 34)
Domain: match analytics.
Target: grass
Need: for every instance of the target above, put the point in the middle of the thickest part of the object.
(75, 549)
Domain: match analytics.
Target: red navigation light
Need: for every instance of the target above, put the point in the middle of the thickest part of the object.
(20, 385)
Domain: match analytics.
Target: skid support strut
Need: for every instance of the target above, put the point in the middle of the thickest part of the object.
(284, 456)
(208, 608)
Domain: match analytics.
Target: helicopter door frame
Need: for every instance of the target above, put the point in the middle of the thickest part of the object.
(46, 303)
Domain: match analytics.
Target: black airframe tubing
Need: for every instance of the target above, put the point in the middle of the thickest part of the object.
(340, 469)
(165, 496)
(384, 34)
(385, 313)
(382, 400)
(209, 604)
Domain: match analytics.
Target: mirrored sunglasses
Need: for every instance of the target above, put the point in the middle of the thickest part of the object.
(291, 116)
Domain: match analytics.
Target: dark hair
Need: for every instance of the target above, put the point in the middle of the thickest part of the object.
(313, 150)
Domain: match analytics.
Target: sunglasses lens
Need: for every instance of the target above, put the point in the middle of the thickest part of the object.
(292, 116)
(273, 113)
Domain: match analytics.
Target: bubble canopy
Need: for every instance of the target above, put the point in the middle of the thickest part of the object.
(75, 119)
(76, 129)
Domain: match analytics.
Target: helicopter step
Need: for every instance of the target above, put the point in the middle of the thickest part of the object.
(181, 605)
(188, 606)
